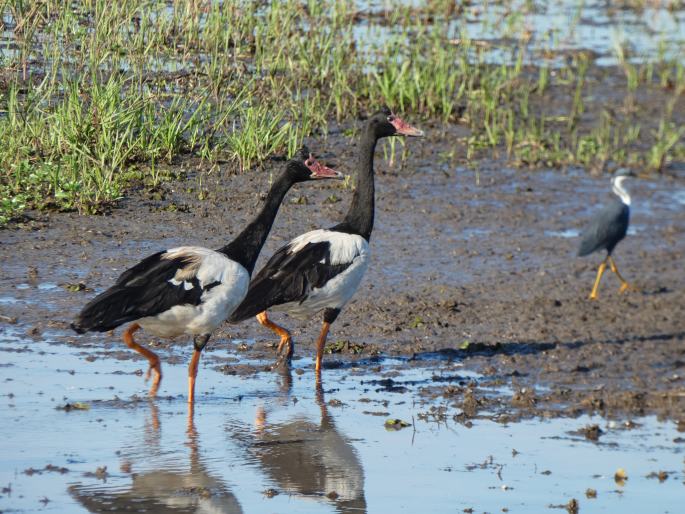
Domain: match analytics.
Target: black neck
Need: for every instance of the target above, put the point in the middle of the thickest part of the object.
(245, 248)
(359, 218)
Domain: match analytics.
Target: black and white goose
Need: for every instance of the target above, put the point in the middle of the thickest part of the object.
(191, 290)
(321, 270)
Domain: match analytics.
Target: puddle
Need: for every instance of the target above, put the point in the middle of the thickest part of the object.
(273, 443)
(47, 286)
(568, 233)
(569, 25)
(679, 196)
(552, 31)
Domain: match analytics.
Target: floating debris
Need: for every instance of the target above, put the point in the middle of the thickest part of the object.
(68, 407)
(100, 473)
(50, 468)
(592, 432)
(76, 287)
(396, 424)
(572, 507)
(661, 475)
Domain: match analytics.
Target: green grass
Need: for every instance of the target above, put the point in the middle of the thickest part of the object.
(100, 94)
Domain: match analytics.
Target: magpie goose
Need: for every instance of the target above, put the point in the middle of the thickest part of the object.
(191, 290)
(320, 271)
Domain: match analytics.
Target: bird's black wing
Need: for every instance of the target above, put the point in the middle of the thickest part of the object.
(147, 289)
(606, 229)
(288, 277)
(140, 270)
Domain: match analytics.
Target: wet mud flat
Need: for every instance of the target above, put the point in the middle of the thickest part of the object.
(84, 438)
(472, 322)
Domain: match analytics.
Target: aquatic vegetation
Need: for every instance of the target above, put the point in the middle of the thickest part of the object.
(98, 94)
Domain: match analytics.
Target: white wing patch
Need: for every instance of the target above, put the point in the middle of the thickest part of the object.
(186, 285)
(216, 304)
(205, 264)
(344, 247)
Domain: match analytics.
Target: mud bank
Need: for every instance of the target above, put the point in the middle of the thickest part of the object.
(475, 265)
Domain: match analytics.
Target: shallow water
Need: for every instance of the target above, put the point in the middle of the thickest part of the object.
(272, 443)
(551, 30)
(594, 25)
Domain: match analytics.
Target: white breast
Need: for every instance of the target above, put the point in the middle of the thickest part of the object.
(216, 304)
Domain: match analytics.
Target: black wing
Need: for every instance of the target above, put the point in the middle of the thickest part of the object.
(606, 229)
(288, 277)
(143, 290)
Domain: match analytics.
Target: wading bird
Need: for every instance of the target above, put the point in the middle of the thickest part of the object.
(161, 482)
(191, 290)
(607, 229)
(309, 458)
(321, 270)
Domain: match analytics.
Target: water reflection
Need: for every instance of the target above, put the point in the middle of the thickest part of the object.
(308, 458)
(164, 490)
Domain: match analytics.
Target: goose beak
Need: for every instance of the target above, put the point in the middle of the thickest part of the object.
(403, 128)
(319, 171)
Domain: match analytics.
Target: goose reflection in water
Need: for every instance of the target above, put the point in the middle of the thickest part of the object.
(310, 459)
(160, 491)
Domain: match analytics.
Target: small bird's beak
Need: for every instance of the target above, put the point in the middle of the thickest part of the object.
(403, 128)
(319, 171)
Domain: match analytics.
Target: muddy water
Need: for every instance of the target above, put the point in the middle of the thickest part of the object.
(552, 30)
(492, 326)
(271, 443)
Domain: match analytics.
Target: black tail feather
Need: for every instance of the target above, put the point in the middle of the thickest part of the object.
(106, 311)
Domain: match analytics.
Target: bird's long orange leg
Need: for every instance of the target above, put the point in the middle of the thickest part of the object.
(600, 272)
(155, 368)
(192, 374)
(319, 348)
(625, 286)
(285, 346)
(199, 343)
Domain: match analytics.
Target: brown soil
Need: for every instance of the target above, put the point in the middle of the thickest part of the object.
(467, 265)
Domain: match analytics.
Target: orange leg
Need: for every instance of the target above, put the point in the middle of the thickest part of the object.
(319, 348)
(155, 368)
(191, 418)
(192, 374)
(260, 420)
(600, 272)
(285, 346)
(625, 286)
